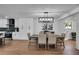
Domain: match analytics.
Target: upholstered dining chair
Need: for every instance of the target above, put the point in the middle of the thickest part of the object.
(30, 39)
(42, 40)
(51, 40)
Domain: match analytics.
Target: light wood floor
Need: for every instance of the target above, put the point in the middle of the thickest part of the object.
(20, 47)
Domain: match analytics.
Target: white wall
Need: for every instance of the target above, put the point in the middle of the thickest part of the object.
(25, 25)
(38, 26)
(77, 31)
(75, 27)
(35, 27)
(60, 26)
(3, 24)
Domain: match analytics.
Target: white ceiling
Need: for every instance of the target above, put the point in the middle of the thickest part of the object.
(35, 10)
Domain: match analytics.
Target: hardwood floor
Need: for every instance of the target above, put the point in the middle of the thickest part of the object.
(20, 47)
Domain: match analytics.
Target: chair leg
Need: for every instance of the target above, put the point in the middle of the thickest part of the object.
(45, 46)
(38, 46)
(29, 43)
(55, 46)
(48, 46)
(63, 45)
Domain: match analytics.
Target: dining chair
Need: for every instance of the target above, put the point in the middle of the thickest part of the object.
(30, 39)
(51, 40)
(42, 40)
(60, 40)
(63, 35)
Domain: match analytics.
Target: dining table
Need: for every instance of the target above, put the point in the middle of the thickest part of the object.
(58, 37)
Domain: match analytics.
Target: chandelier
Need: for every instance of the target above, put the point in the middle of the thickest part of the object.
(46, 18)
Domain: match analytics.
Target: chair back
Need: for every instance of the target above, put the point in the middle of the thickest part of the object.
(42, 39)
(51, 39)
(63, 35)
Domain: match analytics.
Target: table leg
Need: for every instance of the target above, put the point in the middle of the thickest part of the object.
(37, 43)
(4, 41)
